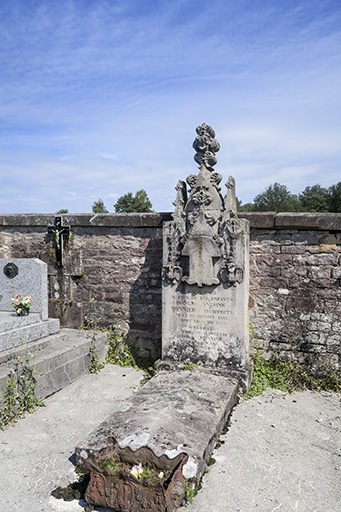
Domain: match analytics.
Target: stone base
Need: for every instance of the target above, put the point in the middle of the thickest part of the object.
(242, 375)
(18, 330)
(58, 359)
(179, 412)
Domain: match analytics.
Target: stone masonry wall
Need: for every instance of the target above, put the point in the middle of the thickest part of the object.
(295, 285)
(111, 276)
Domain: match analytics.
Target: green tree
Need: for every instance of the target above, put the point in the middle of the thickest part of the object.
(335, 198)
(314, 199)
(62, 210)
(276, 198)
(128, 203)
(247, 207)
(98, 207)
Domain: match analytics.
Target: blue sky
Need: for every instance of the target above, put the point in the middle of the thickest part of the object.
(102, 97)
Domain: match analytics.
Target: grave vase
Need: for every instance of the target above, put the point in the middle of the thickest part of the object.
(23, 311)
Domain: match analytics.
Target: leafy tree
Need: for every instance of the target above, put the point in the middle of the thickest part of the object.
(62, 210)
(335, 198)
(247, 207)
(276, 198)
(98, 207)
(128, 203)
(314, 199)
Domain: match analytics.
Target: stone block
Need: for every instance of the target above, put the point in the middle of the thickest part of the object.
(16, 331)
(208, 325)
(330, 221)
(259, 219)
(58, 359)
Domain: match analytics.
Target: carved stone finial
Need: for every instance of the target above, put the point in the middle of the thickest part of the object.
(205, 230)
(205, 146)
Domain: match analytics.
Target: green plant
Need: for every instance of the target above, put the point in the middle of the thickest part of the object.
(96, 365)
(119, 352)
(152, 475)
(290, 376)
(19, 396)
(190, 366)
(191, 492)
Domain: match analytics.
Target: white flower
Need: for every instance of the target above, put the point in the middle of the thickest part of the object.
(136, 470)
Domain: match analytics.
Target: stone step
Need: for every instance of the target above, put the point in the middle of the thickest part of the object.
(16, 331)
(58, 359)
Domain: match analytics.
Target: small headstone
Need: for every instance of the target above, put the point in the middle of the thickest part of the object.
(206, 270)
(27, 277)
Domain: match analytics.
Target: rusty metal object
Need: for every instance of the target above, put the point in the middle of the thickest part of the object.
(125, 493)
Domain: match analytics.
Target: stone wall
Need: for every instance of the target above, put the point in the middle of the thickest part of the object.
(295, 284)
(111, 276)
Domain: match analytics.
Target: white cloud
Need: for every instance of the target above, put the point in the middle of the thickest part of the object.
(105, 99)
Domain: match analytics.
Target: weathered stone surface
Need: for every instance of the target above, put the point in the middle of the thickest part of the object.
(259, 219)
(329, 221)
(206, 269)
(175, 412)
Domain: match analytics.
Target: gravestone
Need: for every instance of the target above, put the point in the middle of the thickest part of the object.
(28, 277)
(175, 420)
(206, 271)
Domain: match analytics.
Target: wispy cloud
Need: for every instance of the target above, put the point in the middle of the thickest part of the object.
(101, 98)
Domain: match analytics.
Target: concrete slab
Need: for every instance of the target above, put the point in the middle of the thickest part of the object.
(35, 453)
(281, 453)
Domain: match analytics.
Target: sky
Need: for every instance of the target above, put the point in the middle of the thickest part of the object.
(102, 97)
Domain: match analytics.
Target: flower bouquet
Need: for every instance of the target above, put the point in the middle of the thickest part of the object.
(22, 304)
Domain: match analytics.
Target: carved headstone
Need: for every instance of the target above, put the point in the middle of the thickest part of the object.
(205, 269)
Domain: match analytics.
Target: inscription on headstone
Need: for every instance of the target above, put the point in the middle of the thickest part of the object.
(205, 269)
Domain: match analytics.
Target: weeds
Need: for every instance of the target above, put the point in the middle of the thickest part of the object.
(119, 352)
(19, 396)
(290, 376)
(96, 365)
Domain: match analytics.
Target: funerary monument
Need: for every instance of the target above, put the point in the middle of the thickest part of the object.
(169, 428)
(27, 277)
(205, 270)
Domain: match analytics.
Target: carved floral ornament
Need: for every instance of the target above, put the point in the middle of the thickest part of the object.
(205, 227)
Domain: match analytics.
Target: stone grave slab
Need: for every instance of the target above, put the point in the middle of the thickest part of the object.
(179, 413)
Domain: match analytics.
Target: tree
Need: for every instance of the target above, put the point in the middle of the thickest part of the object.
(62, 210)
(314, 199)
(276, 198)
(335, 198)
(128, 203)
(98, 207)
